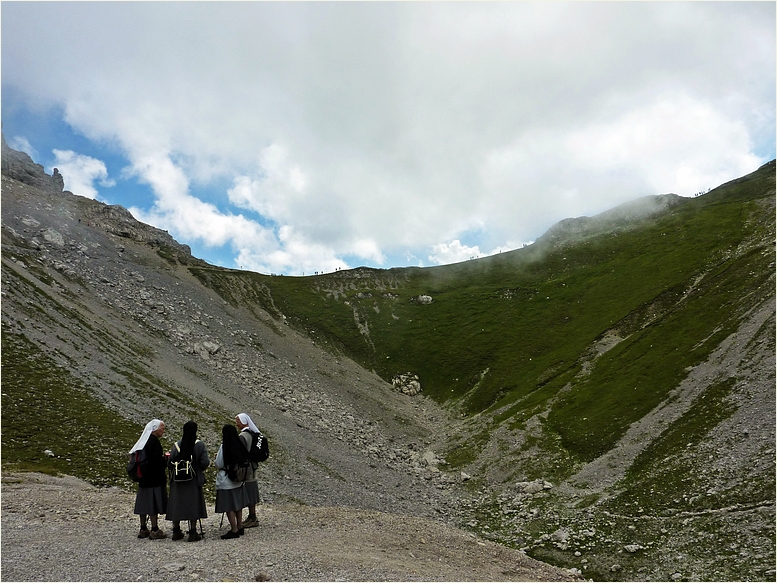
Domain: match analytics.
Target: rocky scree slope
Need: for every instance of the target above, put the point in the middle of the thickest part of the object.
(111, 300)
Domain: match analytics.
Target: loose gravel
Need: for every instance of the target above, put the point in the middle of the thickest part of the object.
(63, 529)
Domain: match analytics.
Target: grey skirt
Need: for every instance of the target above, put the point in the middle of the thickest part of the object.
(151, 500)
(232, 500)
(186, 501)
(252, 492)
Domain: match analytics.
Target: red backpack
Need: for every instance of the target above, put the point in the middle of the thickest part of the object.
(137, 467)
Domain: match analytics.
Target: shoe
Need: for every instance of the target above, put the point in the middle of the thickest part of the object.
(177, 534)
(193, 536)
(250, 522)
(157, 534)
(240, 531)
(230, 534)
(143, 533)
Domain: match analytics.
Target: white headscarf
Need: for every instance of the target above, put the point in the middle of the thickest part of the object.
(246, 420)
(151, 426)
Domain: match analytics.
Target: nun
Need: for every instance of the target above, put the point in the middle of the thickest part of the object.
(230, 496)
(247, 429)
(151, 499)
(187, 500)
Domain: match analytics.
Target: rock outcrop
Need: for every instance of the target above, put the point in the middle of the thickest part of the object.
(407, 384)
(20, 166)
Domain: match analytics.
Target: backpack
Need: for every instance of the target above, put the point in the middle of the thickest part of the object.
(137, 467)
(239, 472)
(183, 470)
(260, 450)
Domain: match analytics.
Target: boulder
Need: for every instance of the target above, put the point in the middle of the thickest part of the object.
(407, 384)
(430, 459)
(421, 299)
(534, 487)
(633, 548)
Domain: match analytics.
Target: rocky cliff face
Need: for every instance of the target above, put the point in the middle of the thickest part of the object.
(19, 166)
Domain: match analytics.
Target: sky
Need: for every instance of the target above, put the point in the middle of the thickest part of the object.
(298, 138)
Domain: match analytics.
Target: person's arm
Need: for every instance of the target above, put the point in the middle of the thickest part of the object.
(204, 460)
(174, 453)
(220, 458)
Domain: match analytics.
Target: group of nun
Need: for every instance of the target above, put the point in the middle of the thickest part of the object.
(187, 500)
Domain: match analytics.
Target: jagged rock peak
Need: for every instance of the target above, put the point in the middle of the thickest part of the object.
(20, 166)
(113, 219)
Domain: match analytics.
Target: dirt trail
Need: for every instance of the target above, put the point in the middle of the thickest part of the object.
(63, 529)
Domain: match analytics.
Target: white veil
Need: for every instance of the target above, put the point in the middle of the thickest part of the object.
(152, 425)
(246, 420)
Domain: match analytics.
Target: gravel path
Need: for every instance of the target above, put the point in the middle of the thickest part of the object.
(63, 529)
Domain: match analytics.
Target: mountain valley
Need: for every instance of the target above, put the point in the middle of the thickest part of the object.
(602, 400)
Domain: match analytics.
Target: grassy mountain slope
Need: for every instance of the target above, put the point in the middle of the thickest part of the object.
(599, 360)
(509, 332)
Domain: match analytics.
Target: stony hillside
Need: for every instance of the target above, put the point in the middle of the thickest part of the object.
(108, 322)
(112, 302)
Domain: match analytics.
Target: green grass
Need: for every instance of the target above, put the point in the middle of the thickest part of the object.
(505, 334)
(635, 376)
(467, 451)
(42, 404)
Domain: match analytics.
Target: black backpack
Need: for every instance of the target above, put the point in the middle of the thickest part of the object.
(137, 467)
(260, 450)
(183, 470)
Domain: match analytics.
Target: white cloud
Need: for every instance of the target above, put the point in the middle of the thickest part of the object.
(456, 251)
(294, 256)
(274, 193)
(378, 130)
(686, 145)
(680, 145)
(189, 217)
(80, 172)
(23, 145)
(452, 252)
(257, 247)
(367, 249)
